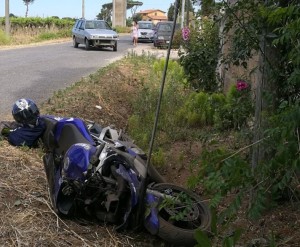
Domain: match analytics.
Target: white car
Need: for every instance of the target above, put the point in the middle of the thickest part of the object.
(145, 31)
(94, 33)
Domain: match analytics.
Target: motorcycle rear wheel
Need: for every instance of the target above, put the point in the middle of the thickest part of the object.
(177, 223)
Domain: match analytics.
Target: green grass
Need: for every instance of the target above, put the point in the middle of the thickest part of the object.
(4, 39)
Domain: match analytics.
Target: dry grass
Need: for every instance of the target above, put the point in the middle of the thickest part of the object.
(24, 36)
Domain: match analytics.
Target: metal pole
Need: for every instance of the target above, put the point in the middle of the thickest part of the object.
(7, 23)
(187, 13)
(182, 13)
(83, 5)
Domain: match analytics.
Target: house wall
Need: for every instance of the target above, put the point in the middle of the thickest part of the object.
(154, 16)
(156, 13)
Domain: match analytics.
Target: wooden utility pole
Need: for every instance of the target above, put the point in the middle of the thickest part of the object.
(83, 9)
(7, 23)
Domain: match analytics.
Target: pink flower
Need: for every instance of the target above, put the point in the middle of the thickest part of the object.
(185, 33)
(241, 85)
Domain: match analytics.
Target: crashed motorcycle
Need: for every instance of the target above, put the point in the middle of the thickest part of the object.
(100, 172)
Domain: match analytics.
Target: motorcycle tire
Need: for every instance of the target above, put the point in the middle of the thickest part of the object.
(181, 231)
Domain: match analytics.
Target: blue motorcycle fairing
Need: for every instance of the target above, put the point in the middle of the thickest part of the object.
(130, 176)
(76, 121)
(151, 222)
(77, 159)
(61, 202)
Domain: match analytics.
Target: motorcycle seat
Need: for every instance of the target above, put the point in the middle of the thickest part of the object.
(70, 135)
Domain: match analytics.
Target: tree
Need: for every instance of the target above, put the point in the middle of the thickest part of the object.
(106, 11)
(137, 17)
(171, 12)
(133, 5)
(207, 7)
(171, 9)
(272, 34)
(27, 2)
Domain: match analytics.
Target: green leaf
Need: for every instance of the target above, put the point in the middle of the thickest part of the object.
(202, 239)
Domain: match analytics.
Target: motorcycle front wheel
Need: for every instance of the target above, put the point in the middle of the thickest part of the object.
(181, 213)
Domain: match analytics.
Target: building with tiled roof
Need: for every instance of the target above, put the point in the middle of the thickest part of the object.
(154, 15)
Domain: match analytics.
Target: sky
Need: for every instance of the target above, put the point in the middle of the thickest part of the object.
(72, 8)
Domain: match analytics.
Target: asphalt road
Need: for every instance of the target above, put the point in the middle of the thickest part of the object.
(37, 71)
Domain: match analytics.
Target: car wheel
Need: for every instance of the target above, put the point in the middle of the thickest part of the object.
(75, 44)
(115, 48)
(87, 44)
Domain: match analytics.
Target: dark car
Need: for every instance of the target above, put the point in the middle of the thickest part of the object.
(94, 33)
(162, 33)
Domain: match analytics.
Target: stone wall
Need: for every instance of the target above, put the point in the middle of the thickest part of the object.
(230, 73)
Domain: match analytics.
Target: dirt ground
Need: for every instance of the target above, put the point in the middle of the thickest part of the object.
(27, 218)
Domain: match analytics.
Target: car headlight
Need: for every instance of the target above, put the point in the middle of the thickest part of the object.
(161, 37)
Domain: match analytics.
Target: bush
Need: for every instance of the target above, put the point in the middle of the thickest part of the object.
(120, 29)
(201, 109)
(238, 107)
(177, 39)
(38, 22)
(145, 104)
(200, 57)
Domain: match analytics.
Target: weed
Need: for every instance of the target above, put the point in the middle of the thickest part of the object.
(4, 40)
(158, 158)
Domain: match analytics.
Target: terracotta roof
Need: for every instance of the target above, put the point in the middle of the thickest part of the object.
(150, 11)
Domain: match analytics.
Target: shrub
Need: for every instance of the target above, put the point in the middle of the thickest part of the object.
(145, 104)
(201, 109)
(177, 40)
(238, 107)
(200, 57)
(120, 29)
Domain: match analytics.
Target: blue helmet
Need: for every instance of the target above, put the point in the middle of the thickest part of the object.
(25, 111)
(77, 159)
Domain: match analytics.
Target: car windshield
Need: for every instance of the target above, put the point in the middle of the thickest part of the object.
(145, 25)
(96, 25)
(165, 27)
